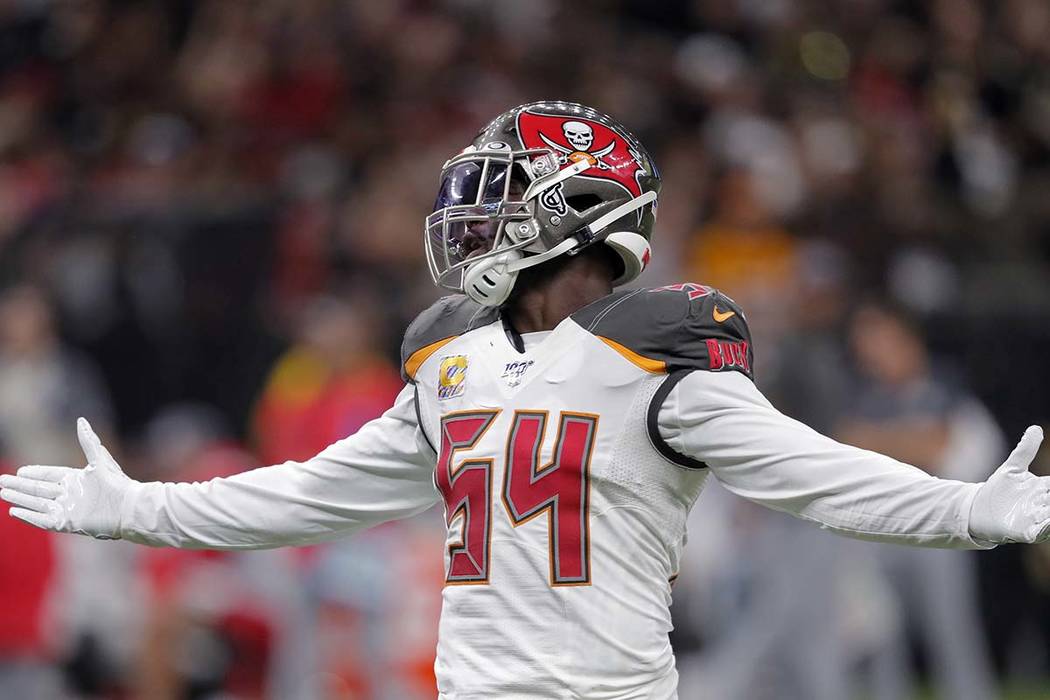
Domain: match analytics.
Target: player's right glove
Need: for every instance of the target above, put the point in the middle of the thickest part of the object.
(1013, 505)
(86, 501)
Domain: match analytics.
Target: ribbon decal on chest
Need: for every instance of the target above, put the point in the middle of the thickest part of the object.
(452, 377)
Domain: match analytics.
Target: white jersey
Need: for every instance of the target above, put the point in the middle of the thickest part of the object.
(566, 470)
(565, 523)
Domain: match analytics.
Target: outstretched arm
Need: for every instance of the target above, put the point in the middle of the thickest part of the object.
(382, 472)
(721, 419)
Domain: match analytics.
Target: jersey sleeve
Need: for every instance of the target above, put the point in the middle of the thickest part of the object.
(673, 330)
(760, 454)
(382, 472)
(444, 321)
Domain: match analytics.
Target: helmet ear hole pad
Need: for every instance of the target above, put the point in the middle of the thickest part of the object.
(635, 252)
(583, 202)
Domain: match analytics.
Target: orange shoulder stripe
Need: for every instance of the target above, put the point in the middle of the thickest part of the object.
(420, 356)
(646, 363)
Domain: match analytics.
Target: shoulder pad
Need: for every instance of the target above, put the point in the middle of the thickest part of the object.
(668, 329)
(446, 319)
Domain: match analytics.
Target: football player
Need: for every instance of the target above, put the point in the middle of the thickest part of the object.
(566, 428)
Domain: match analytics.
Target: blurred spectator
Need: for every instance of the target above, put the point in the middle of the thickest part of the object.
(378, 598)
(765, 601)
(219, 624)
(908, 408)
(44, 385)
(327, 385)
(26, 568)
(807, 372)
(773, 589)
(744, 251)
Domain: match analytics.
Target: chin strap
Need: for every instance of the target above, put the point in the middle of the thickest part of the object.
(490, 280)
(564, 247)
(621, 211)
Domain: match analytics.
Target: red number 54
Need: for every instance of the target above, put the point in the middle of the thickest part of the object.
(561, 489)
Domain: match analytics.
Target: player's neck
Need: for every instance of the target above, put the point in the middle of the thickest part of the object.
(552, 293)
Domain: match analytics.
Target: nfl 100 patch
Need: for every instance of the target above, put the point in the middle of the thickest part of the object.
(452, 377)
(514, 371)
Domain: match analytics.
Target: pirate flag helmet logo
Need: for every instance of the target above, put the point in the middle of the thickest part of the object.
(573, 140)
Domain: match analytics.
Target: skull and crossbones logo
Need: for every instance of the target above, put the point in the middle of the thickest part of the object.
(580, 136)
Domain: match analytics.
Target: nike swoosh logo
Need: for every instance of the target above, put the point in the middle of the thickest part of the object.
(722, 316)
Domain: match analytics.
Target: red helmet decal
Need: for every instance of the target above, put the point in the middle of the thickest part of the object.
(576, 138)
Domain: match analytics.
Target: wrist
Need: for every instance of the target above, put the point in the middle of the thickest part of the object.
(126, 511)
(980, 528)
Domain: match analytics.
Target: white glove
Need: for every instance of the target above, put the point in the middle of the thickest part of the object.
(85, 501)
(1013, 505)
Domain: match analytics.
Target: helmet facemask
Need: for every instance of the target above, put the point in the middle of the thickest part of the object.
(481, 212)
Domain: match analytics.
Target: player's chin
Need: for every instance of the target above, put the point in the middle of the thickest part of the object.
(477, 253)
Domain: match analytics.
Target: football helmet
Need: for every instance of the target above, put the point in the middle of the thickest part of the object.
(541, 180)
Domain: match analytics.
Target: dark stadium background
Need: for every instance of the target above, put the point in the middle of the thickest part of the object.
(210, 242)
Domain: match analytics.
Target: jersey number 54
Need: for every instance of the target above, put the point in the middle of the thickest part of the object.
(559, 489)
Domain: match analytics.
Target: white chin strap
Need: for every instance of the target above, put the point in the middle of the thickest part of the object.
(490, 280)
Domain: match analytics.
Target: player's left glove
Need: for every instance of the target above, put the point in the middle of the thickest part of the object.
(85, 501)
(1013, 505)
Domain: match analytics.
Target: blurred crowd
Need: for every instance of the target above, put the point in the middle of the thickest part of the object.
(211, 239)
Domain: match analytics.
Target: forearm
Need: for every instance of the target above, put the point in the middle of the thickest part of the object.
(273, 506)
(857, 493)
(762, 455)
